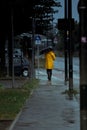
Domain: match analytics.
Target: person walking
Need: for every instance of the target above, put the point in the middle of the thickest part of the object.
(49, 62)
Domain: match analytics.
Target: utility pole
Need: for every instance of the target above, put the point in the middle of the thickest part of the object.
(65, 45)
(67, 24)
(33, 47)
(12, 48)
(70, 45)
(82, 9)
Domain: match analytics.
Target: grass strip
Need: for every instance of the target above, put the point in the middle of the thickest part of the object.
(13, 99)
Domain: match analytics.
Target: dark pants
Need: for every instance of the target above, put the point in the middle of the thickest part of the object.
(49, 73)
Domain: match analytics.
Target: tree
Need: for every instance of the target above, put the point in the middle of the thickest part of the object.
(43, 13)
(21, 11)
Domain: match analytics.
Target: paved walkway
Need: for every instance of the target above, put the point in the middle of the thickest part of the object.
(49, 109)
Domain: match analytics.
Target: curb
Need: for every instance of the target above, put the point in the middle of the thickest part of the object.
(14, 121)
(17, 117)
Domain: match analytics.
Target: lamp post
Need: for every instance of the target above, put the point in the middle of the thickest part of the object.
(82, 9)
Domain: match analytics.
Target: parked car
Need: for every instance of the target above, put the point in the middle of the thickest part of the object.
(21, 66)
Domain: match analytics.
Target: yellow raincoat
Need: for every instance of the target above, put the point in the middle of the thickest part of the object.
(49, 60)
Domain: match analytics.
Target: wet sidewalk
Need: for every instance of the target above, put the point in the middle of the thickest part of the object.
(49, 109)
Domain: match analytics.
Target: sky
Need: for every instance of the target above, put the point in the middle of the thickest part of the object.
(60, 13)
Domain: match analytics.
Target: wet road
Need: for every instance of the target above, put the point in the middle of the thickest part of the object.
(60, 64)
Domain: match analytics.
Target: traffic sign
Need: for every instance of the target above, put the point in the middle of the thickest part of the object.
(38, 40)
